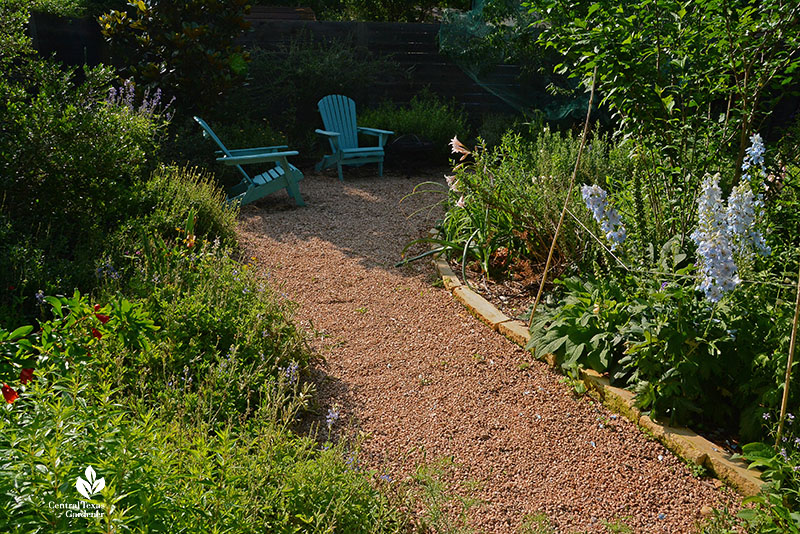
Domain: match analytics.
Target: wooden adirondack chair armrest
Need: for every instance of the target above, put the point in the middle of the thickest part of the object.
(258, 158)
(326, 132)
(382, 135)
(374, 131)
(258, 150)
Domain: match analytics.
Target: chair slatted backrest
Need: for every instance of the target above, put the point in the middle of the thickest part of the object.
(210, 133)
(339, 115)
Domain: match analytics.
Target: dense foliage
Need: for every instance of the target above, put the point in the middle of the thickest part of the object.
(504, 202)
(70, 159)
(688, 82)
(374, 10)
(185, 47)
(427, 116)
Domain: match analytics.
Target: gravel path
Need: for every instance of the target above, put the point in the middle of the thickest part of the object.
(421, 378)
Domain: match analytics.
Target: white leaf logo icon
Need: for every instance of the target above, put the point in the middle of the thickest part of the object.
(91, 485)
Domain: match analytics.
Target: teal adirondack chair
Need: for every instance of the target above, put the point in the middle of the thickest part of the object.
(282, 175)
(339, 117)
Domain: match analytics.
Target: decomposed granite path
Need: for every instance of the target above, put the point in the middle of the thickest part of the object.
(422, 379)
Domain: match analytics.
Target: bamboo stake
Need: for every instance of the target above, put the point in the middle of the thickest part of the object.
(566, 201)
(792, 341)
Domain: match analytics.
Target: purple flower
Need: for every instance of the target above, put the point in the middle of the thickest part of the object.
(596, 200)
(332, 417)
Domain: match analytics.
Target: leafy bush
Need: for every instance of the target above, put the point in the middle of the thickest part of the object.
(179, 397)
(169, 198)
(185, 47)
(69, 160)
(155, 469)
(686, 106)
(427, 116)
(76, 8)
(687, 360)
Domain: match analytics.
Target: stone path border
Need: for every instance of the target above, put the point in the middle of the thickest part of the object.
(682, 441)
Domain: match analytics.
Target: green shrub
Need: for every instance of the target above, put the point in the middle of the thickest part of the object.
(166, 201)
(76, 8)
(163, 475)
(102, 393)
(427, 116)
(688, 361)
(69, 160)
(185, 47)
(210, 308)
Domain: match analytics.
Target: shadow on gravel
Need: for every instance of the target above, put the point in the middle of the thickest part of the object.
(366, 217)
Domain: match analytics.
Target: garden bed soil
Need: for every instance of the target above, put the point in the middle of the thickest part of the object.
(415, 378)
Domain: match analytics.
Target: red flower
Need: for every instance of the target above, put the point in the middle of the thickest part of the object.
(96, 333)
(9, 394)
(102, 318)
(97, 307)
(26, 375)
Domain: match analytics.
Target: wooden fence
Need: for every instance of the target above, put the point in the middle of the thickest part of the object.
(413, 47)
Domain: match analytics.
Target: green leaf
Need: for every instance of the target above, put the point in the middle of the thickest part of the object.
(22, 331)
(55, 302)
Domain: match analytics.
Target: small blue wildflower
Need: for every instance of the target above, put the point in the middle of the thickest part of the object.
(783, 454)
(766, 416)
(39, 297)
(662, 516)
(386, 478)
(291, 372)
(332, 417)
(789, 417)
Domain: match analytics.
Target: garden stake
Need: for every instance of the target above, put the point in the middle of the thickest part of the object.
(566, 202)
(792, 341)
